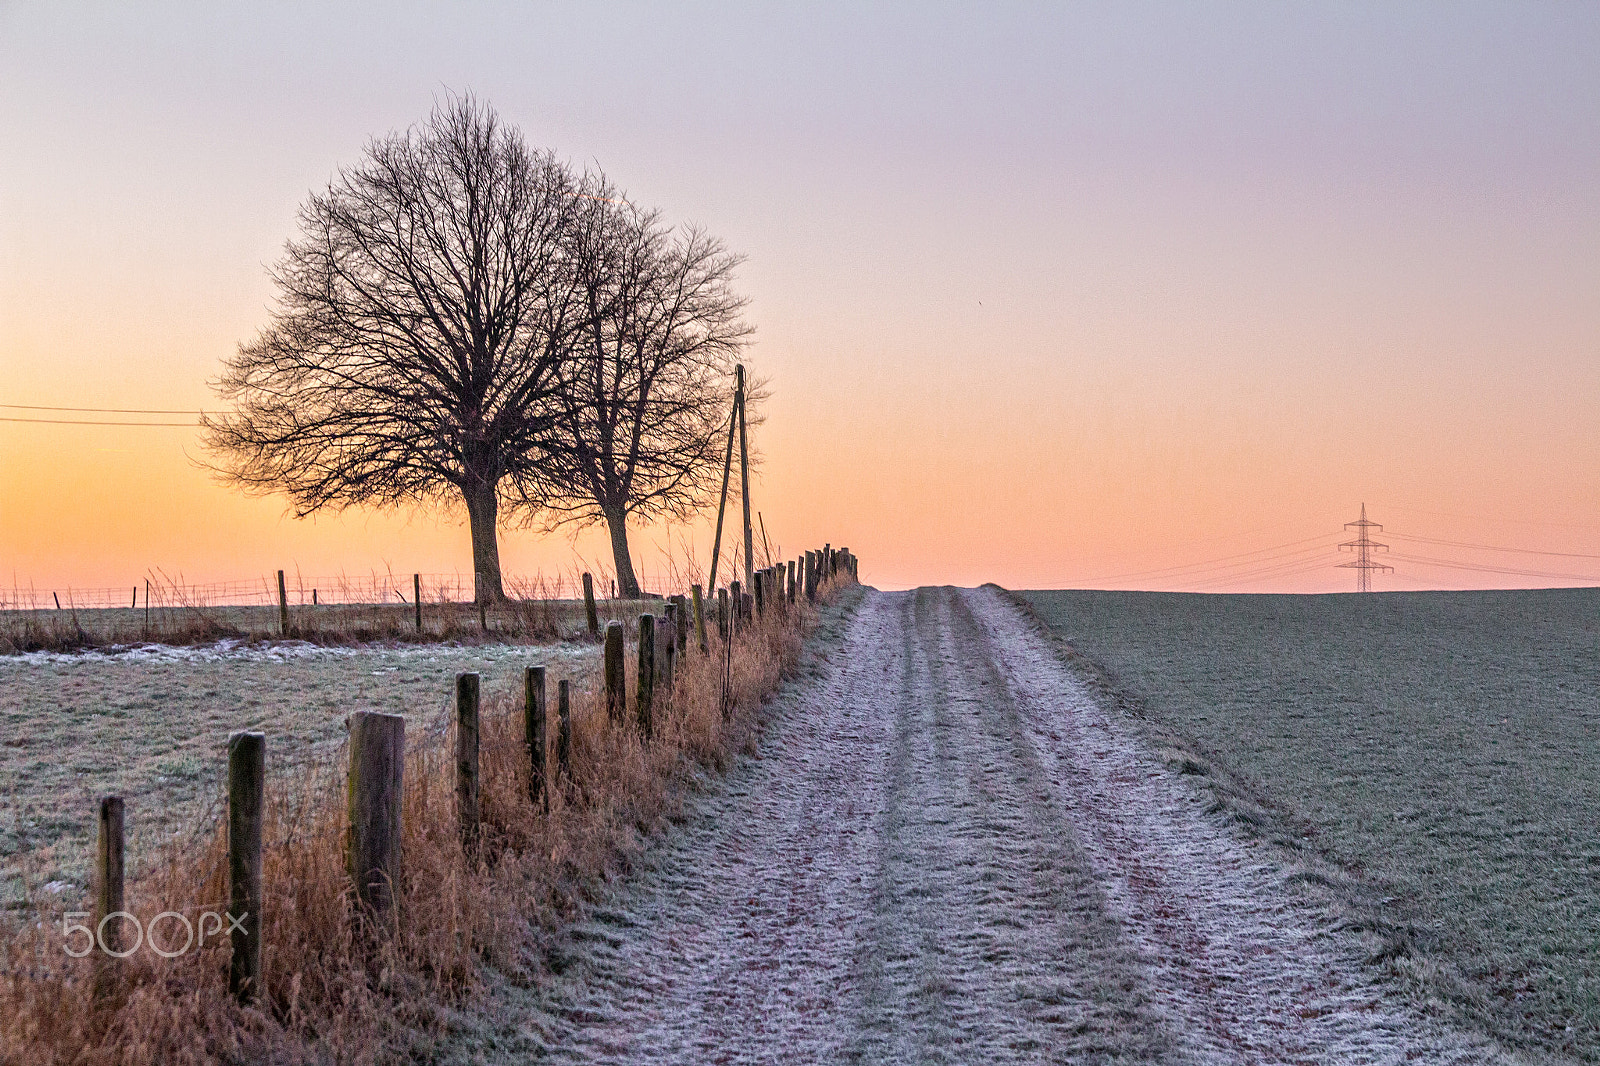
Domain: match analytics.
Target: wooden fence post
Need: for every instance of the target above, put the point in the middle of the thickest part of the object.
(533, 718)
(416, 596)
(283, 606)
(758, 587)
(724, 622)
(467, 701)
(377, 762)
(667, 646)
(647, 672)
(790, 581)
(589, 608)
(247, 764)
(108, 899)
(736, 603)
(680, 623)
(616, 698)
(699, 617)
(564, 729)
(147, 608)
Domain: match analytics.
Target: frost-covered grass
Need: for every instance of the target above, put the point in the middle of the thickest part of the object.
(1444, 746)
(150, 723)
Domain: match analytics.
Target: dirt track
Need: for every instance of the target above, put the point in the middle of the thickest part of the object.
(947, 852)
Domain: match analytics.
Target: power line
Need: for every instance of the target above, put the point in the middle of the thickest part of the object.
(96, 410)
(1208, 563)
(81, 422)
(1493, 548)
(1485, 568)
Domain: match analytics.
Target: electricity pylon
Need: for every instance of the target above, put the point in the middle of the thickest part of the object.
(1364, 546)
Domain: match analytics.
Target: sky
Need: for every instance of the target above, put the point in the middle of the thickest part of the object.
(1093, 295)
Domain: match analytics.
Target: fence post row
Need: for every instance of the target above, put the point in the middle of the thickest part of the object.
(533, 728)
(616, 699)
(647, 672)
(108, 898)
(377, 763)
(591, 612)
(247, 758)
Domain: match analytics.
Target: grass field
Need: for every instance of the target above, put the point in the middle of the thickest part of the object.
(151, 724)
(1443, 746)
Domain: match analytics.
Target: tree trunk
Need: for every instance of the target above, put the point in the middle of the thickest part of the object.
(483, 509)
(617, 523)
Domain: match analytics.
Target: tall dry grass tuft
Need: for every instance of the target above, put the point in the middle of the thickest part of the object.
(340, 988)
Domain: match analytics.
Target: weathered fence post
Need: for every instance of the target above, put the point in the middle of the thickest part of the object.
(247, 764)
(680, 623)
(533, 719)
(564, 729)
(416, 597)
(147, 608)
(667, 646)
(790, 582)
(377, 762)
(591, 612)
(699, 617)
(283, 606)
(747, 608)
(647, 672)
(467, 702)
(758, 586)
(724, 621)
(616, 698)
(108, 899)
(736, 602)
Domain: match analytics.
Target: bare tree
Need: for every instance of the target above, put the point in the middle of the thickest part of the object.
(647, 390)
(424, 315)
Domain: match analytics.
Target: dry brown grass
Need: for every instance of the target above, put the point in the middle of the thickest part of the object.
(336, 990)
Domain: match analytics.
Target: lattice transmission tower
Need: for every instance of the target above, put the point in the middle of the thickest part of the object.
(1364, 546)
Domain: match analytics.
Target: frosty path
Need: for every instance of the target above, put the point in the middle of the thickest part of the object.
(948, 853)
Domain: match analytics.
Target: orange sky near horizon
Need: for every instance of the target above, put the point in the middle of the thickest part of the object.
(1052, 299)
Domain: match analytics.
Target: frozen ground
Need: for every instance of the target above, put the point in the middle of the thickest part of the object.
(945, 851)
(151, 723)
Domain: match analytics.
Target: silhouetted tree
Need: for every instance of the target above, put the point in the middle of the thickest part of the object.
(647, 390)
(424, 315)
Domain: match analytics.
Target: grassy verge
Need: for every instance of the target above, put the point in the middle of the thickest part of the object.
(336, 992)
(1428, 759)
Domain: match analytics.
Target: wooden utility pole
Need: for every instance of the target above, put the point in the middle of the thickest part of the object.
(727, 468)
(744, 482)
